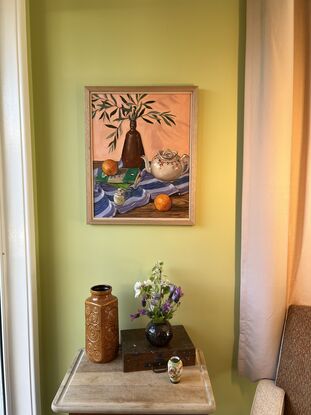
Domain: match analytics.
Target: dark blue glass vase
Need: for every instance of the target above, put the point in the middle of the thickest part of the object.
(159, 334)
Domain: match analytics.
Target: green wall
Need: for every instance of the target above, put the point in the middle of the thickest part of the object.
(139, 42)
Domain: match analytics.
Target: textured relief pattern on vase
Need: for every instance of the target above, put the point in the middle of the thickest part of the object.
(110, 334)
(93, 338)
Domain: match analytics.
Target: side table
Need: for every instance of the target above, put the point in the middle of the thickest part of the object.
(90, 388)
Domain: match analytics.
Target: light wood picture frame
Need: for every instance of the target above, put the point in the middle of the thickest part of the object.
(141, 154)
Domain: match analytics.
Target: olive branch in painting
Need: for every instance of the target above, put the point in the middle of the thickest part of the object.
(131, 107)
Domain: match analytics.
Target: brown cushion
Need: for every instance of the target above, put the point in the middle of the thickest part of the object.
(294, 372)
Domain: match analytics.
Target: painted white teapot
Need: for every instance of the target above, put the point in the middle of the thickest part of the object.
(167, 165)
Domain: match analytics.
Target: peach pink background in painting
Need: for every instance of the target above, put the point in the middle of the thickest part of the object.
(154, 136)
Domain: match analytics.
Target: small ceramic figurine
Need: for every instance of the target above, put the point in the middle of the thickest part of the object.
(174, 368)
(167, 165)
(119, 197)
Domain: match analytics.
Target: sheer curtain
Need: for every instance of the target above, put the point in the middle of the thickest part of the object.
(276, 206)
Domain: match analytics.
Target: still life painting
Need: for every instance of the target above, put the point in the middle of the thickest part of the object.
(140, 145)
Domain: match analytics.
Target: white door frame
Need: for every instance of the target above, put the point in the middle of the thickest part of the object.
(17, 228)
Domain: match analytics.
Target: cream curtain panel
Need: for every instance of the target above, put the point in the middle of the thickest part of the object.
(276, 206)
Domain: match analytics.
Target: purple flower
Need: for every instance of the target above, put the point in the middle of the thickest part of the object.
(177, 294)
(172, 289)
(141, 312)
(155, 299)
(135, 315)
(166, 307)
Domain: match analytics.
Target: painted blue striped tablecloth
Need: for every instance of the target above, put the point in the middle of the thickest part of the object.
(145, 191)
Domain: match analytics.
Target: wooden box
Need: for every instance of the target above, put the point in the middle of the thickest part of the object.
(139, 354)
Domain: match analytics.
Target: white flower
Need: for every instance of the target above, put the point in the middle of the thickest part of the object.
(137, 289)
(148, 282)
(165, 282)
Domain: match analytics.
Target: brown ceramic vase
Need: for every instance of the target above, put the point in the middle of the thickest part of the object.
(133, 148)
(101, 325)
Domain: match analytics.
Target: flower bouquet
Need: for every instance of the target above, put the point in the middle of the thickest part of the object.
(159, 300)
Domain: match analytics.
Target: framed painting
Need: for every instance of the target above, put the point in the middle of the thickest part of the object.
(140, 154)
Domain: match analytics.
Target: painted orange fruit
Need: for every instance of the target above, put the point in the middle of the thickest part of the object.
(163, 203)
(110, 167)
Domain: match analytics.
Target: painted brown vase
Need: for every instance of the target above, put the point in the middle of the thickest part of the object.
(133, 148)
(101, 325)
